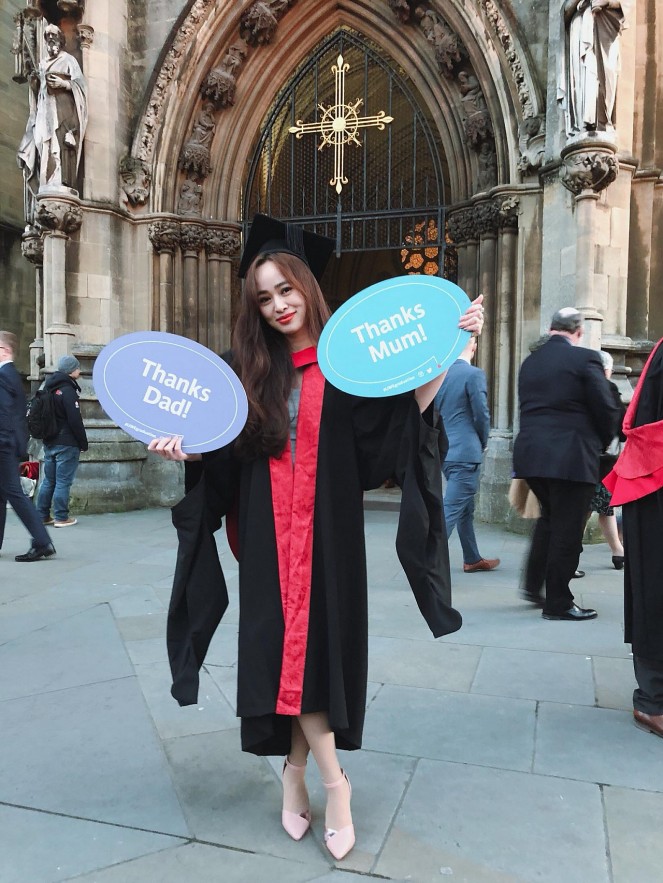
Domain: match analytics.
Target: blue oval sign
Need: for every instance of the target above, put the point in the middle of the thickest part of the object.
(154, 384)
(394, 336)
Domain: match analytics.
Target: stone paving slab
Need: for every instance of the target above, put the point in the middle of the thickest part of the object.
(90, 752)
(485, 730)
(233, 799)
(58, 848)
(79, 649)
(634, 821)
(425, 663)
(198, 863)
(597, 745)
(615, 682)
(212, 712)
(478, 825)
(527, 674)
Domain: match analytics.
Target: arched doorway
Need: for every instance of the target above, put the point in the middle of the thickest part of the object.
(386, 210)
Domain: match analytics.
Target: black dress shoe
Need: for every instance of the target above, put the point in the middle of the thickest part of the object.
(573, 614)
(36, 553)
(618, 562)
(532, 597)
(578, 574)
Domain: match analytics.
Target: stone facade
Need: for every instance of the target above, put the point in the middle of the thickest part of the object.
(178, 92)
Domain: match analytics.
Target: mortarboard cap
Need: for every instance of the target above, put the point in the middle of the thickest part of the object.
(271, 236)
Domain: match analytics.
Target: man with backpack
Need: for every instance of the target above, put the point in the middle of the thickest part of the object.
(13, 444)
(62, 449)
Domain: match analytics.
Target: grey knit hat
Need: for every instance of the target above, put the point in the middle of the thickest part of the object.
(67, 364)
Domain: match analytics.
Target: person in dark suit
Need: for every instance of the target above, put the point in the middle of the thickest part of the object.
(13, 443)
(567, 417)
(462, 402)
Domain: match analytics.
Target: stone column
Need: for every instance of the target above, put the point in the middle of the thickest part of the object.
(589, 167)
(191, 242)
(58, 218)
(506, 298)
(486, 217)
(32, 247)
(221, 245)
(457, 232)
(164, 236)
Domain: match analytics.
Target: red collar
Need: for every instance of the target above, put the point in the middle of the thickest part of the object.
(302, 358)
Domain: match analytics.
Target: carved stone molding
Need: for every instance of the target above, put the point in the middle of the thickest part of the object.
(144, 145)
(258, 24)
(588, 171)
(447, 46)
(462, 226)
(32, 246)
(532, 143)
(191, 238)
(58, 215)
(85, 36)
(509, 210)
(221, 82)
(32, 10)
(221, 242)
(164, 235)
(71, 7)
(401, 9)
(501, 29)
(135, 180)
(486, 218)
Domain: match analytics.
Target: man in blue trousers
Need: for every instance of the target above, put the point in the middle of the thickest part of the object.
(463, 403)
(13, 442)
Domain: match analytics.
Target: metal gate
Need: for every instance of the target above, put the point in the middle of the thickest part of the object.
(394, 195)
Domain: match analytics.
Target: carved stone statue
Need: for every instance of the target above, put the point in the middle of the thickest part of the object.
(50, 150)
(221, 81)
(589, 67)
(258, 24)
(195, 156)
(487, 176)
(445, 43)
(135, 178)
(191, 198)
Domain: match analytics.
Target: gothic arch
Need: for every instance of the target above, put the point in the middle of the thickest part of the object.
(210, 31)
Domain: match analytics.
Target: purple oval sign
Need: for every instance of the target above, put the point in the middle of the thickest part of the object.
(155, 384)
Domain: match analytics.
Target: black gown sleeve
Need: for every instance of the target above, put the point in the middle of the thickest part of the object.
(200, 596)
(394, 439)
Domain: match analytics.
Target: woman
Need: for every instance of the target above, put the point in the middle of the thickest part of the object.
(601, 502)
(295, 477)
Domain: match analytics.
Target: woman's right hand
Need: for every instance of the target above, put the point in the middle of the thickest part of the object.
(170, 448)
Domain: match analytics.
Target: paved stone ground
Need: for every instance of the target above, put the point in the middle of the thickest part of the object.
(505, 752)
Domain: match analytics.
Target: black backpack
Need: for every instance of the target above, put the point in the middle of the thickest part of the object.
(42, 421)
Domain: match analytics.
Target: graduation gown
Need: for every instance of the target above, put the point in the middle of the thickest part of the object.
(643, 521)
(304, 648)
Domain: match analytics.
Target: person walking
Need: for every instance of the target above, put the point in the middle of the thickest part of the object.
(636, 483)
(567, 417)
(13, 444)
(62, 451)
(294, 477)
(462, 402)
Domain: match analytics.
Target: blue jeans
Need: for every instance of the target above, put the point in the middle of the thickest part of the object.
(462, 485)
(60, 465)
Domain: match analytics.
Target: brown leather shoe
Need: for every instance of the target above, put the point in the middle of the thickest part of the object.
(652, 723)
(481, 564)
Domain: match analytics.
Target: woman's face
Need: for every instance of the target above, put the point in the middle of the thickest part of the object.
(282, 306)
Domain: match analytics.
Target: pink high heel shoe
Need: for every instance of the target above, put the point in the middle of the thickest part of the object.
(295, 824)
(340, 842)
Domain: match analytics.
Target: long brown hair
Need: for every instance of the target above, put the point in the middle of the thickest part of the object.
(262, 358)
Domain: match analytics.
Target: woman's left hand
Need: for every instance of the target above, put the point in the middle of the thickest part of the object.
(472, 318)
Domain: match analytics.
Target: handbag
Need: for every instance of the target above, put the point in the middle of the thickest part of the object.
(523, 500)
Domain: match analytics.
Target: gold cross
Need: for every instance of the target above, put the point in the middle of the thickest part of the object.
(340, 123)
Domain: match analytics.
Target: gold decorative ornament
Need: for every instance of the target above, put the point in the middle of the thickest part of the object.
(340, 123)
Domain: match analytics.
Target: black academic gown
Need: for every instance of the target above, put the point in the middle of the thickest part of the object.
(643, 546)
(362, 442)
